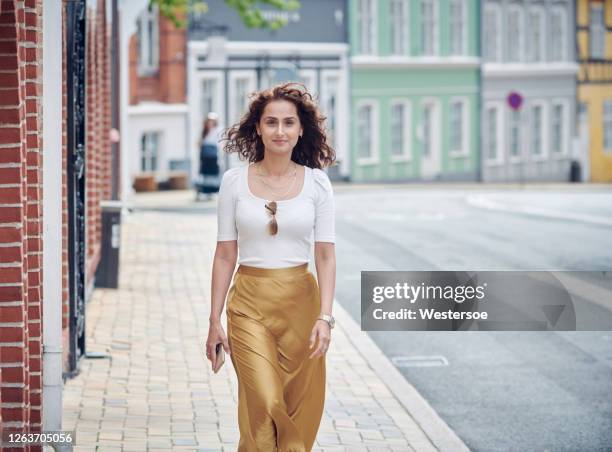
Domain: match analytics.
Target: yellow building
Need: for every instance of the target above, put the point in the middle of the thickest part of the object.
(594, 37)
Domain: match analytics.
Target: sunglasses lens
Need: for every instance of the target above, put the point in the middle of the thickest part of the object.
(273, 227)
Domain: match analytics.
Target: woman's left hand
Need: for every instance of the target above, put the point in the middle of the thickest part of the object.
(322, 331)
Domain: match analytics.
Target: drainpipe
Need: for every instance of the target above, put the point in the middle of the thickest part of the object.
(52, 383)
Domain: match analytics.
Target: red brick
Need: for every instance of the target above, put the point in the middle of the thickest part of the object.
(34, 278)
(33, 227)
(10, 195)
(34, 364)
(13, 375)
(10, 175)
(32, 140)
(13, 355)
(34, 260)
(10, 294)
(11, 214)
(11, 334)
(11, 254)
(11, 314)
(32, 123)
(15, 415)
(34, 329)
(34, 294)
(11, 275)
(10, 155)
(9, 79)
(33, 158)
(10, 116)
(34, 210)
(10, 134)
(10, 234)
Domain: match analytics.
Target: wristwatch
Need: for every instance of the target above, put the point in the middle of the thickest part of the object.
(329, 319)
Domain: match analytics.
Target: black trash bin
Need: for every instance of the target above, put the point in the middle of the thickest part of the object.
(107, 273)
(575, 171)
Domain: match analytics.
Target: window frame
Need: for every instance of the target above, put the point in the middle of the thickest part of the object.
(493, 8)
(435, 45)
(545, 130)
(542, 19)
(565, 124)
(147, 151)
(602, 31)
(374, 157)
(604, 119)
(148, 16)
(372, 19)
(405, 22)
(564, 46)
(465, 126)
(521, 133)
(464, 28)
(521, 56)
(406, 155)
(500, 153)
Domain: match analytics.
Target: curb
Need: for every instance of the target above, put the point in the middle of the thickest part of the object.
(437, 431)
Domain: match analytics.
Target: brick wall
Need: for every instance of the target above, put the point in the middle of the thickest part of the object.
(21, 163)
(168, 85)
(20, 213)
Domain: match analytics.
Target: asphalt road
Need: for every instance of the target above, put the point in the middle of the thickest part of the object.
(506, 391)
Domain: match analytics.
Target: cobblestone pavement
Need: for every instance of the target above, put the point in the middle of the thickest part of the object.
(155, 390)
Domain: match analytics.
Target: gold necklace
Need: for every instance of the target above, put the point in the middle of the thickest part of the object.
(270, 188)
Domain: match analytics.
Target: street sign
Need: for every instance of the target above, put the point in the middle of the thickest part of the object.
(515, 100)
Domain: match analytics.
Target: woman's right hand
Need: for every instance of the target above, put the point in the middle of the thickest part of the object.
(216, 335)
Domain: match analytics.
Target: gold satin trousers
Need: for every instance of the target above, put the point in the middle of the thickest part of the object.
(281, 392)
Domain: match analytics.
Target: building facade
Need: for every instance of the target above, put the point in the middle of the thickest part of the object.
(594, 22)
(228, 61)
(55, 170)
(528, 90)
(157, 111)
(414, 90)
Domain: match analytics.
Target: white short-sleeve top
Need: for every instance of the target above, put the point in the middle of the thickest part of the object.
(243, 217)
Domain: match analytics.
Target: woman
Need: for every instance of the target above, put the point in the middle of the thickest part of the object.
(278, 315)
(209, 168)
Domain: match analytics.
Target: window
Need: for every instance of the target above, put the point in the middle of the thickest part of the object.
(491, 36)
(493, 133)
(515, 134)
(241, 93)
(537, 130)
(597, 31)
(148, 41)
(559, 125)
(366, 25)
(398, 16)
(535, 30)
(209, 88)
(458, 25)
(607, 126)
(367, 132)
(331, 107)
(429, 28)
(458, 126)
(516, 34)
(400, 130)
(427, 124)
(149, 151)
(558, 23)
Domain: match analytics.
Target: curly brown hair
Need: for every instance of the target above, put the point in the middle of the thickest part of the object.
(311, 150)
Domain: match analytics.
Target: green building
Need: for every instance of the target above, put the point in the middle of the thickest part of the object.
(414, 90)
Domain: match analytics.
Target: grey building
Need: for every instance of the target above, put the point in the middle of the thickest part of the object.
(227, 61)
(529, 63)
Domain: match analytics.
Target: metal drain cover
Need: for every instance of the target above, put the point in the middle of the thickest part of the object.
(420, 361)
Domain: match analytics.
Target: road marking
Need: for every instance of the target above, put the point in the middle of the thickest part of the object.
(420, 361)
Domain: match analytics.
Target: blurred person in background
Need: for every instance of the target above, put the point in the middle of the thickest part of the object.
(209, 150)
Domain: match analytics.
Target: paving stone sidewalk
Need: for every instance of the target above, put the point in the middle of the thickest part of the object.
(155, 391)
